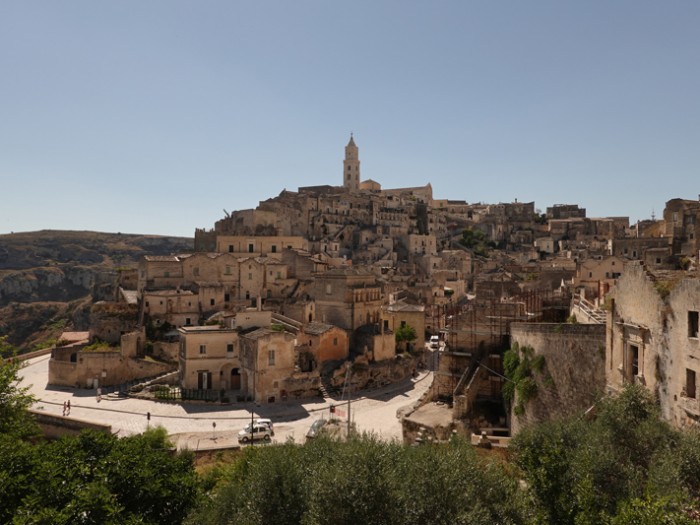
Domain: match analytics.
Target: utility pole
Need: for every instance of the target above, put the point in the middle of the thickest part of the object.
(346, 388)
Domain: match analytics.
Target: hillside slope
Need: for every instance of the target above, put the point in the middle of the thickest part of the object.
(48, 279)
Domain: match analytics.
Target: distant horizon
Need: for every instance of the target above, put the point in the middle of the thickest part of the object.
(157, 116)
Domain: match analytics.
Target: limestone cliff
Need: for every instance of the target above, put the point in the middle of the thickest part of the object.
(49, 279)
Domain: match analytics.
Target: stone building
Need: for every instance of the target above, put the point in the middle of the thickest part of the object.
(268, 359)
(682, 221)
(597, 276)
(258, 246)
(175, 306)
(565, 211)
(74, 363)
(209, 358)
(324, 342)
(422, 244)
(347, 298)
(160, 271)
(636, 248)
(401, 313)
(652, 339)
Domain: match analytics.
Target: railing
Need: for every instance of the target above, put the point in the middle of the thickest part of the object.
(195, 394)
(595, 315)
(471, 370)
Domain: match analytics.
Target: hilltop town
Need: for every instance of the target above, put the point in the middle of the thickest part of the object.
(522, 315)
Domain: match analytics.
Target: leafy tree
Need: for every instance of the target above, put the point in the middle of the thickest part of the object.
(619, 465)
(97, 478)
(405, 334)
(14, 400)
(651, 512)
(476, 240)
(362, 481)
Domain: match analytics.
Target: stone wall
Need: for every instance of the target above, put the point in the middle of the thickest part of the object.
(573, 375)
(107, 368)
(55, 427)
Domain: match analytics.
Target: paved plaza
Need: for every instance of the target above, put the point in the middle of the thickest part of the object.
(199, 426)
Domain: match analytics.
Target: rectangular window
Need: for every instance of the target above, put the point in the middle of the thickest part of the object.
(228, 270)
(335, 341)
(251, 247)
(692, 324)
(274, 248)
(195, 271)
(634, 357)
(211, 302)
(250, 276)
(166, 274)
(229, 348)
(188, 321)
(202, 349)
(690, 383)
(227, 297)
(271, 358)
(329, 289)
(230, 248)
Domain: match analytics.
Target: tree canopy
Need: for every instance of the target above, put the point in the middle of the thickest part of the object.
(364, 481)
(14, 399)
(93, 478)
(624, 466)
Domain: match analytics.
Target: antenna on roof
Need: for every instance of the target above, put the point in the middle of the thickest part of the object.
(228, 215)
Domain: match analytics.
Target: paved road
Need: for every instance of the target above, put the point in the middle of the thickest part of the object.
(208, 425)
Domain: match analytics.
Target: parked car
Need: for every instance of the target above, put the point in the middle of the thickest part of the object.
(315, 428)
(255, 432)
(434, 341)
(268, 422)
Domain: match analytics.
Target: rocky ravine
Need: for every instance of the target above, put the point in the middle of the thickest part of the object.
(49, 278)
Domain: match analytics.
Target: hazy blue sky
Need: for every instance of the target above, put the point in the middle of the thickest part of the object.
(154, 116)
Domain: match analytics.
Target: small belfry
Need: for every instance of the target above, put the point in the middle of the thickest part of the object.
(351, 167)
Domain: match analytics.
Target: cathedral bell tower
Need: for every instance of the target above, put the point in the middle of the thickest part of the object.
(351, 167)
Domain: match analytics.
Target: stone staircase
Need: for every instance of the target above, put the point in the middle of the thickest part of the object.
(586, 312)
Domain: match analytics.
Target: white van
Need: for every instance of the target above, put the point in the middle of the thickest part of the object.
(434, 341)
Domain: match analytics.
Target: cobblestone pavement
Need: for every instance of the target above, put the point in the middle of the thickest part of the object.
(199, 426)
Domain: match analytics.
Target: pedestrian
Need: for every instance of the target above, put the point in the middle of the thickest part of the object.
(99, 394)
(64, 408)
(68, 407)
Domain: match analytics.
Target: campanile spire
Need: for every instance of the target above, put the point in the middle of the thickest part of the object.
(351, 167)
